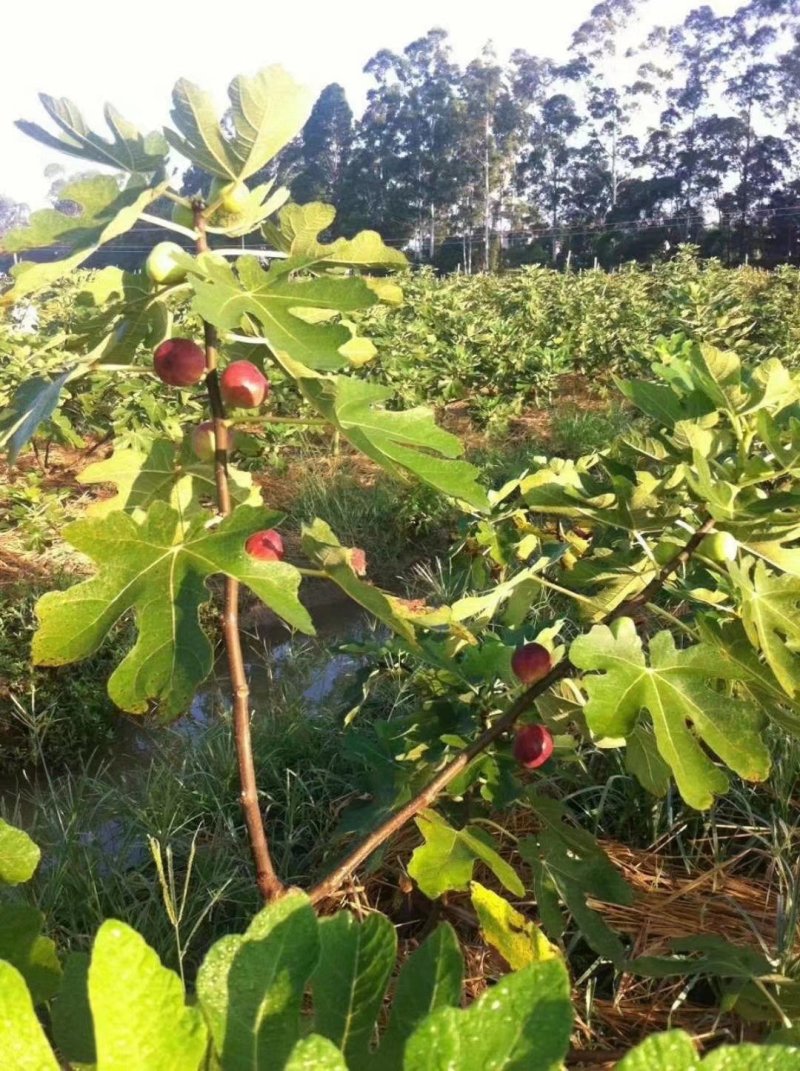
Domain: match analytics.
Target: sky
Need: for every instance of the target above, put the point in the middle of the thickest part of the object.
(93, 51)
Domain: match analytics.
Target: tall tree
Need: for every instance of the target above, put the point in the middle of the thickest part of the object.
(598, 46)
(325, 146)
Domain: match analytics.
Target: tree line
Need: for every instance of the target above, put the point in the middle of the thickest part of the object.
(641, 140)
(625, 150)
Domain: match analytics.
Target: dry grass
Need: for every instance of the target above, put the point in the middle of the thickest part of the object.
(668, 903)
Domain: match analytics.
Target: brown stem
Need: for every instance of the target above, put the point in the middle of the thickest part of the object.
(269, 884)
(328, 886)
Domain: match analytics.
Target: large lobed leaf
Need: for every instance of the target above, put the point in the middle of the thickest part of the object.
(568, 865)
(34, 401)
(325, 551)
(448, 856)
(159, 570)
(686, 711)
(522, 1023)
(128, 151)
(276, 301)
(165, 473)
(105, 212)
(267, 111)
(771, 618)
(400, 442)
(301, 225)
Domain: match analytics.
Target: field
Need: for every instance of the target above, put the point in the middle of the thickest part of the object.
(674, 914)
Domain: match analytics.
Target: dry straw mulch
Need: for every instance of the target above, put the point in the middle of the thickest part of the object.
(668, 903)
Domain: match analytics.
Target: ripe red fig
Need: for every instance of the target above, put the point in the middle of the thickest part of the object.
(242, 385)
(531, 662)
(533, 746)
(179, 362)
(266, 545)
(358, 560)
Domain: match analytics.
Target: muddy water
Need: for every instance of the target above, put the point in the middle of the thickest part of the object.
(301, 669)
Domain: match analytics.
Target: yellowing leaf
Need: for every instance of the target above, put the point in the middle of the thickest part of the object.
(518, 940)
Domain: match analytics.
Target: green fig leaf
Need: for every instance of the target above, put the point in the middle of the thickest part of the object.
(301, 226)
(19, 855)
(447, 858)
(71, 1014)
(522, 1023)
(349, 983)
(22, 1039)
(128, 151)
(568, 865)
(429, 978)
(518, 940)
(165, 473)
(267, 111)
(402, 443)
(326, 552)
(315, 1053)
(34, 401)
(34, 956)
(251, 986)
(771, 618)
(121, 313)
(276, 301)
(141, 1020)
(684, 708)
(138, 565)
(105, 212)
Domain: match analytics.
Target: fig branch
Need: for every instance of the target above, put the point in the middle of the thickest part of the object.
(329, 885)
(269, 884)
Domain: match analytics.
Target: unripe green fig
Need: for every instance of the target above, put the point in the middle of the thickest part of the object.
(232, 195)
(161, 264)
(203, 441)
(665, 551)
(719, 547)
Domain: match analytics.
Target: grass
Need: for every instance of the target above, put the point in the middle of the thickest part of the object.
(52, 714)
(104, 826)
(159, 841)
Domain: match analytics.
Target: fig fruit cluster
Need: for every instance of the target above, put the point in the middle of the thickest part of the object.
(533, 744)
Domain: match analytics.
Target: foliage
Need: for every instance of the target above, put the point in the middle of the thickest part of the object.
(52, 718)
(500, 344)
(680, 650)
(250, 1010)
